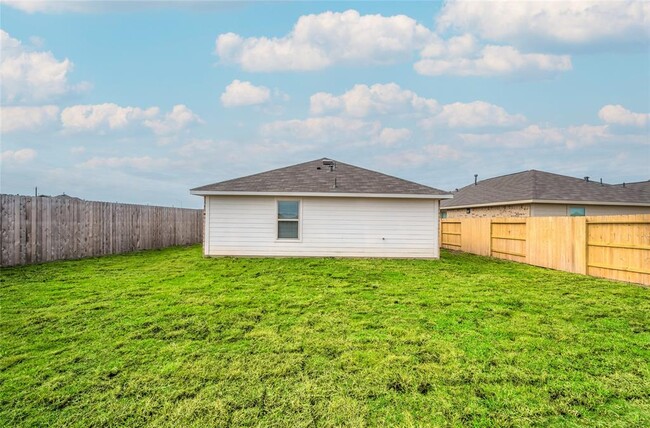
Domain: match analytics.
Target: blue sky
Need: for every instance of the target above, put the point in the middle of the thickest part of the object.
(140, 101)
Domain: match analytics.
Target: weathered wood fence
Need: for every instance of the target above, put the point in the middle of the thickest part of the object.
(40, 229)
(614, 247)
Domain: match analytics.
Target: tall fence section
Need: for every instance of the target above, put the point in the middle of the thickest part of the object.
(40, 229)
(614, 247)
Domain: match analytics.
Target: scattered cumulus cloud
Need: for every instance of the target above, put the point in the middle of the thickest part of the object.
(32, 76)
(142, 163)
(18, 156)
(177, 120)
(322, 40)
(390, 99)
(477, 114)
(240, 93)
(111, 116)
(393, 136)
(318, 41)
(571, 137)
(549, 23)
(49, 6)
(490, 60)
(27, 118)
(619, 115)
(428, 154)
(78, 150)
(323, 129)
(106, 6)
(363, 100)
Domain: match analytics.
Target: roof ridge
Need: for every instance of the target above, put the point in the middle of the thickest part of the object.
(387, 175)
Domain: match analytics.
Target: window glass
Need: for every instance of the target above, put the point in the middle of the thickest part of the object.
(287, 230)
(288, 209)
(288, 219)
(443, 214)
(576, 211)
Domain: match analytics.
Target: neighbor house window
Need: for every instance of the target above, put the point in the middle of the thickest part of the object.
(443, 214)
(577, 211)
(288, 219)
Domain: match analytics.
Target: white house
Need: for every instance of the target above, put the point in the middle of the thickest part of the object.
(321, 208)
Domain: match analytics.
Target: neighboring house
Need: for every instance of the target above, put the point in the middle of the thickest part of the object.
(321, 208)
(639, 185)
(538, 193)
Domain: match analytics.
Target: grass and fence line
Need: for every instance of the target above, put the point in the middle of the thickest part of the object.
(39, 229)
(613, 247)
(168, 338)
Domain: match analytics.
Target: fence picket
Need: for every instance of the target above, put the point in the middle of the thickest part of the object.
(40, 229)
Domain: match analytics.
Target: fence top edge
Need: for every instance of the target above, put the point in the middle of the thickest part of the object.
(79, 200)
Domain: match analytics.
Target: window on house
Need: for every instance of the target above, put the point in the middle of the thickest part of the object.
(443, 214)
(577, 211)
(288, 219)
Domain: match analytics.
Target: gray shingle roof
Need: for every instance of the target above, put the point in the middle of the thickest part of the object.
(542, 186)
(314, 177)
(639, 185)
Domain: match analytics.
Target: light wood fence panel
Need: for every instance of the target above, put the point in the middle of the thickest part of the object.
(40, 229)
(614, 247)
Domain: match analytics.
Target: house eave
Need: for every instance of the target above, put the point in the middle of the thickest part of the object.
(320, 194)
(546, 201)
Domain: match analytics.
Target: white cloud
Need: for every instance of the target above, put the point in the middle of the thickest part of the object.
(539, 23)
(240, 93)
(363, 100)
(572, 137)
(99, 6)
(392, 136)
(419, 157)
(489, 61)
(178, 119)
(322, 129)
(78, 150)
(319, 41)
(49, 6)
(32, 76)
(18, 156)
(26, 118)
(93, 117)
(619, 115)
(143, 163)
(477, 114)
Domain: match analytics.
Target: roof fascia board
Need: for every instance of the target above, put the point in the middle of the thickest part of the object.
(540, 201)
(321, 194)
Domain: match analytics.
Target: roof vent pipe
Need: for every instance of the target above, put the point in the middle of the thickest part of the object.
(624, 184)
(601, 181)
(475, 179)
(587, 179)
(330, 163)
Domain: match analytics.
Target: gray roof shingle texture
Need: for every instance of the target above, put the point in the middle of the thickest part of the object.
(314, 177)
(542, 186)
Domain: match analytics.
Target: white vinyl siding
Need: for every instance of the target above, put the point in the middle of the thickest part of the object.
(347, 227)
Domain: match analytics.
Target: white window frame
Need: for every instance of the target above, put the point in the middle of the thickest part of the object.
(278, 219)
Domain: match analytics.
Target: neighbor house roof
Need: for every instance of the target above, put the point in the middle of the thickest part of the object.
(318, 179)
(639, 185)
(543, 187)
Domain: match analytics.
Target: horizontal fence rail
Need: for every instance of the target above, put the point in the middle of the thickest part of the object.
(39, 229)
(614, 247)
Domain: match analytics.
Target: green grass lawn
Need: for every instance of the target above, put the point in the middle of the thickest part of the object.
(168, 338)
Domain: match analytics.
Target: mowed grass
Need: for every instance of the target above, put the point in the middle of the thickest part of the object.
(168, 338)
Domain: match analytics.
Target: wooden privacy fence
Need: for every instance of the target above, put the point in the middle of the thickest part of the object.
(40, 229)
(614, 247)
